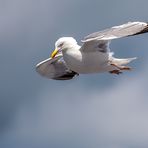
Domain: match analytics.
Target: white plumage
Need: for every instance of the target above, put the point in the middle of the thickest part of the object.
(94, 55)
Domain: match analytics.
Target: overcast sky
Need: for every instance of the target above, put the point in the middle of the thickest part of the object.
(90, 111)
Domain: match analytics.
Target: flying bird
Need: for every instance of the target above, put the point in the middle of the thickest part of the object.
(94, 56)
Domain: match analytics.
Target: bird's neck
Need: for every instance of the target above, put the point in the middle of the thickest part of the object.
(74, 47)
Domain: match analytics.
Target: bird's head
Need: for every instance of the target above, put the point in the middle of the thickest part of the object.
(63, 43)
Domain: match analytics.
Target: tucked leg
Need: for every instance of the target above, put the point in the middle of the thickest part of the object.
(122, 67)
(116, 71)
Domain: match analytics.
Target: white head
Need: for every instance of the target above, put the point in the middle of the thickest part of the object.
(63, 43)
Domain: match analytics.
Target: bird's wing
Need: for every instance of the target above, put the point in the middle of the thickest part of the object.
(101, 38)
(96, 45)
(128, 29)
(55, 69)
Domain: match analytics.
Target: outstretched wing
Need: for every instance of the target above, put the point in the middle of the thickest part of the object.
(55, 69)
(100, 40)
(128, 29)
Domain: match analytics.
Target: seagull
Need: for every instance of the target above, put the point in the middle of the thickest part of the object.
(94, 56)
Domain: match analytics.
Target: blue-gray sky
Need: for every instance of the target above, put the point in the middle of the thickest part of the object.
(98, 110)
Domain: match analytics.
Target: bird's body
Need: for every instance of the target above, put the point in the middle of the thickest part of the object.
(94, 56)
(97, 59)
(84, 63)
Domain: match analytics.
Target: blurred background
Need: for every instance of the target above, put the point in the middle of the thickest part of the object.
(90, 111)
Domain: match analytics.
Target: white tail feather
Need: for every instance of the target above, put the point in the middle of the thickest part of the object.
(122, 61)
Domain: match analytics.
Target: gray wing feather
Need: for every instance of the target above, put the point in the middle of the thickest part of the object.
(95, 45)
(128, 29)
(55, 69)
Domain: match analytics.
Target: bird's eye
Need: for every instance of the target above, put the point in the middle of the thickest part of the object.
(60, 45)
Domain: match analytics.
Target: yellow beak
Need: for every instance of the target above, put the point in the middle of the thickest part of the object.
(54, 53)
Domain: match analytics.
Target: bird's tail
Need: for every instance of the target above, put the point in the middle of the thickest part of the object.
(122, 61)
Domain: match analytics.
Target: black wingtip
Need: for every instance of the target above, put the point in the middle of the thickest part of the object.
(67, 76)
(145, 30)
